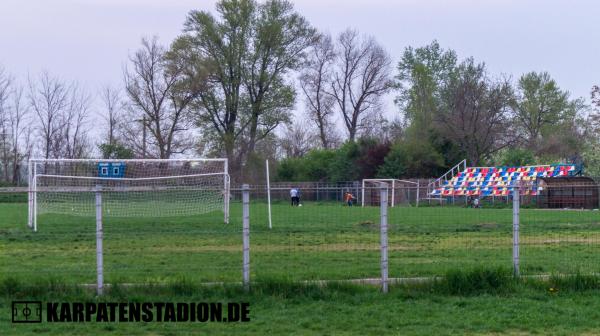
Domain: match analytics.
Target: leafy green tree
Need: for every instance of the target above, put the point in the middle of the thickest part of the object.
(546, 116)
(247, 53)
(517, 157)
(115, 151)
(422, 72)
(591, 146)
(475, 112)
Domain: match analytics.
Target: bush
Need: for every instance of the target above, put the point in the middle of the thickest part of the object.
(352, 161)
(314, 166)
(411, 159)
(576, 282)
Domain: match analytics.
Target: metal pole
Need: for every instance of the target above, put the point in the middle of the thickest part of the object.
(34, 211)
(516, 231)
(246, 235)
(429, 193)
(99, 237)
(393, 192)
(30, 195)
(383, 236)
(418, 188)
(269, 196)
(362, 197)
(227, 195)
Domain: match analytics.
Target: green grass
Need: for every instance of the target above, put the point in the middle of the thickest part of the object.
(13, 197)
(294, 309)
(313, 242)
(318, 242)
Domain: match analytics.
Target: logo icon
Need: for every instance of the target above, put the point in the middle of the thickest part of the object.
(26, 311)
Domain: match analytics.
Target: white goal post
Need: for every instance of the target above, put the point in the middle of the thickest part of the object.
(130, 188)
(394, 185)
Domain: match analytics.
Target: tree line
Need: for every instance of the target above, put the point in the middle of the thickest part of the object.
(229, 84)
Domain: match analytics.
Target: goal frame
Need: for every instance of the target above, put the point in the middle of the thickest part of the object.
(392, 184)
(32, 180)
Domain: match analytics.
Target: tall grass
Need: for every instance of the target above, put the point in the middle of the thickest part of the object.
(476, 281)
(462, 283)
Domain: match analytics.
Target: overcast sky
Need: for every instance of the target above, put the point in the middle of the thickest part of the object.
(88, 40)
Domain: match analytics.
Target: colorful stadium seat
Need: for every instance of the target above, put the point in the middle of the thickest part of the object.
(498, 181)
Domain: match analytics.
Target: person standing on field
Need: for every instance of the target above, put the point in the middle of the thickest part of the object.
(349, 198)
(295, 195)
(476, 203)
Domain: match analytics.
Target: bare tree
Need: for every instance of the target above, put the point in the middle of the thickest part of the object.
(156, 104)
(61, 111)
(296, 141)
(48, 98)
(20, 127)
(384, 130)
(5, 90)
(596, 96)
(15, 128)
(112, 113)
(475, 112)
(72, 140)
(314, 81)
(361, 77)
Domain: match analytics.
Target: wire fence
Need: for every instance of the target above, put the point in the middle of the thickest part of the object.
(319, 239)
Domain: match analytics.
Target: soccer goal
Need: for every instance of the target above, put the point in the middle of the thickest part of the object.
(130, 188)
(401, 192)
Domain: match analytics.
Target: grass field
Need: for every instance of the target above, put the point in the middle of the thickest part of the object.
(314, 242)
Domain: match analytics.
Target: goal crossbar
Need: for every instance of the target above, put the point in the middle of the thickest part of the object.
(127, 160)
(128, 178)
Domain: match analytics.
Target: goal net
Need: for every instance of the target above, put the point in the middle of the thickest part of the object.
(400, 192)
(130, 188)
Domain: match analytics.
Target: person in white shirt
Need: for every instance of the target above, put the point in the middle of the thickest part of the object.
(295, 195)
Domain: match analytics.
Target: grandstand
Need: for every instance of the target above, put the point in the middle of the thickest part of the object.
(497, 181)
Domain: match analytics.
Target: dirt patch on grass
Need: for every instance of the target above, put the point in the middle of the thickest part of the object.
(368, 225)
(334, 247)
(486, 226)
(565, 240)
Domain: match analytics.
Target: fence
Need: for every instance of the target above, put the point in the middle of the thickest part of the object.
(322, 240)
(309, 191)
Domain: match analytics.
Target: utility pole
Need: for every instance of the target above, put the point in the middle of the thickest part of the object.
(143, 137)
